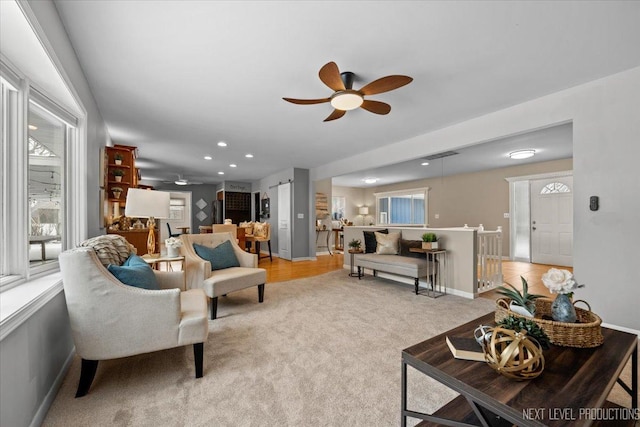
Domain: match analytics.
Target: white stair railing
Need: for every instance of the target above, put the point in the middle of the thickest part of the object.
(489, 259)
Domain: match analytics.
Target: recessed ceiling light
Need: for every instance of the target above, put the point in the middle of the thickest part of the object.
(220, 173)
(522, 154)
(233, 165)
(208, 157)
(33, 127)
(222, 144)
(424, 164)
(370, 180)
(248, 156)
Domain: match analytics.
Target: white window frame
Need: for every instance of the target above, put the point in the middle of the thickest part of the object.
(15, 181)
(407, 192)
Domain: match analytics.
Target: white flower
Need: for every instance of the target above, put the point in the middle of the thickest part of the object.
(173, 242)
(560, 281)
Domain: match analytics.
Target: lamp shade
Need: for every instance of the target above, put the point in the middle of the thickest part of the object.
(147, 203)
(363, 210)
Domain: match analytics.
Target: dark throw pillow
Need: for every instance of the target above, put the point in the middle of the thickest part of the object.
(405, 245)
(370, 242)
(135, 272)
(222, 256)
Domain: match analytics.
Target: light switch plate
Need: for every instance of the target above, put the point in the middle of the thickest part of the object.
(300, 216)
(437, 216)
(506, 214)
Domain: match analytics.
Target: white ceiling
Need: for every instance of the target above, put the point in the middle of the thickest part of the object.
(175, 77)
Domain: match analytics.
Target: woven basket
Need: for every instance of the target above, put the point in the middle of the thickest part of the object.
(586, 333)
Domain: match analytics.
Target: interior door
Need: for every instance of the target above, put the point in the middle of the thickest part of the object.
(179, 214)
(552, 221)
(284, 221)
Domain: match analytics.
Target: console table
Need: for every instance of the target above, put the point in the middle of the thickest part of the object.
(573, 387)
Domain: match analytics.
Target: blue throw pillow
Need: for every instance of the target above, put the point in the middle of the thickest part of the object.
(135, 272)
(222, 256)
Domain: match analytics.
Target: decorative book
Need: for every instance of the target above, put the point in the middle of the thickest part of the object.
(465, 348)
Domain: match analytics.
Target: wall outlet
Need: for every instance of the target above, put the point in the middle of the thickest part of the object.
(300, 216)
(506, 214)
(437, 216)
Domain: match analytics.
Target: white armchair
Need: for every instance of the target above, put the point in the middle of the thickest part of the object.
(221, 282)
(111, 320)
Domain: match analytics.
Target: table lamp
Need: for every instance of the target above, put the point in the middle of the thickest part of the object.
(363, 211)
(148, 204)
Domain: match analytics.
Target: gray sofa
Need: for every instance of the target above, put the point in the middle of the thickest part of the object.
(395, 264)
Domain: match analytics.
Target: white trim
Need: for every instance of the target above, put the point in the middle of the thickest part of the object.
(38, 418)
(540, 176)
(307, 258)
(407, 191)
(19, 303)
(623, 329)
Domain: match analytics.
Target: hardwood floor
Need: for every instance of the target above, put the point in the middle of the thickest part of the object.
(281, 270)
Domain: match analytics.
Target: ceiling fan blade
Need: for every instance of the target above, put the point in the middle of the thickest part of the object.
(376, 107)
(335, 115)
(330, 75)
(307, 101)
(385, 84)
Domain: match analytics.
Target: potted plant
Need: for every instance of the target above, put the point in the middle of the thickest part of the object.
(532, 329)
(355, 245)
(116, 192)
(429, 241)
(117, 158)
(173, 245)
(118, 174)
(523, 302)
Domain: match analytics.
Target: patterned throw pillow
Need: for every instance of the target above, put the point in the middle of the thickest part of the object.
(110, 248)
(370, 242)
(387, 243)
(248, 227)
(260, 229)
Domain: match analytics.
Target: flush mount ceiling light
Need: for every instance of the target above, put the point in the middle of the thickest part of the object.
(208, 157)
(181, 182)
(522, 154)
(249, 156)
(370, 180)
(222, 144)
(424, 164)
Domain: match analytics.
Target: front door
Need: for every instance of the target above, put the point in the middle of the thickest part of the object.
(552, 221)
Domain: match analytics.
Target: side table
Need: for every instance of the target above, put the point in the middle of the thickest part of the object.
(436, 270)
(154, 261)
(352, 253)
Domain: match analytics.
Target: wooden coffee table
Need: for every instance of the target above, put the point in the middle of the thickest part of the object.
(572, 390)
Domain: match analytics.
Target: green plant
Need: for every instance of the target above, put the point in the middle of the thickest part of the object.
(533, 330)
(118, 172)
(523, 299)
(429, 237)
(118, 156)
(355, 244)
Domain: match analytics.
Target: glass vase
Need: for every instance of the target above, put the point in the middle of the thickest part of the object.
(562, 309)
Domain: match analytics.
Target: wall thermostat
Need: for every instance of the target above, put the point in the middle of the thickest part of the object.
(594, 203)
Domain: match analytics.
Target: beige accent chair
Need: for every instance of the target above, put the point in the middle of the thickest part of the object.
(110, 320)
(221, 282)
(256, 239)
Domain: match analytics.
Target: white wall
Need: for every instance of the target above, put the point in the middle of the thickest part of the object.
(606, 131)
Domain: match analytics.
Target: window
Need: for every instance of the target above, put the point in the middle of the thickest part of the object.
(406, 207)
(555, 187)
(37, 137)
(337, 207)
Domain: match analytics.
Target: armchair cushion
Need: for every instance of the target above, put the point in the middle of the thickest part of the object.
(135, 272)
(220, 257)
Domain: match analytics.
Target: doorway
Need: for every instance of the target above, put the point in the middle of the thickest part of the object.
(552, 221)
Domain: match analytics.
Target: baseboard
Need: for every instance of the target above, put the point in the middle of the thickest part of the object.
(40, 415)
(623, 329)
(421, 283)
(304, 259)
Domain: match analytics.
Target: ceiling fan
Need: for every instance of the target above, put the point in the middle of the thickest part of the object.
(182, 181)
(345, 98)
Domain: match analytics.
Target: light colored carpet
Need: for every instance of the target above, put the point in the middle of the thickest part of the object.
(322, 351)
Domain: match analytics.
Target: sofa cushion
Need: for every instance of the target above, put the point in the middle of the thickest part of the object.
(233, 279)
(135, 272)
(387, 243)
(370, 243)
(220, 257)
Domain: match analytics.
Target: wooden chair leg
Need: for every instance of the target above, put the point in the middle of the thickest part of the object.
(198, 351)
(87, 373)
(214, 308)
(258, 249)
(261, 293)
(270, 257)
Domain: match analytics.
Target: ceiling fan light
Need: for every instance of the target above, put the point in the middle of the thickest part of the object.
(181, 182)
(522, 154)
(347, 100)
